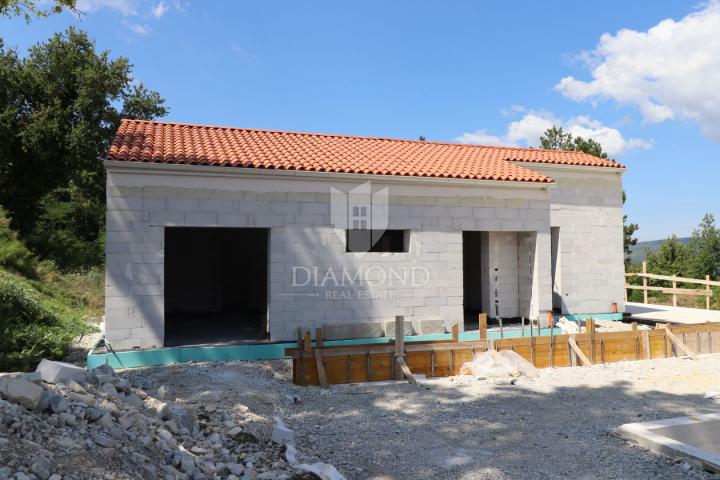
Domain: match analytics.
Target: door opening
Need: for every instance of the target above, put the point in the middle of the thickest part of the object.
(215, 285)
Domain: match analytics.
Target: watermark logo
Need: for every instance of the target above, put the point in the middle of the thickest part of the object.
(361, 209)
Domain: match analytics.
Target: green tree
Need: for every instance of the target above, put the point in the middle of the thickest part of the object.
(59, 109)
(704, 247)
(671, 258)
(556, 138)
(33, 8)
(629, 239)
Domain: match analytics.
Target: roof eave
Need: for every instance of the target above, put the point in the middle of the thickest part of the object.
(210, 170)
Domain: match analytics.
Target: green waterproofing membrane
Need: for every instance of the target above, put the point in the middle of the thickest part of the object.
(276, 351)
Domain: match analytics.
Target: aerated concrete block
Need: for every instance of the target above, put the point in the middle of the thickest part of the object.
(390, 328)
(353, 330)
(59, 372)
(428, 327)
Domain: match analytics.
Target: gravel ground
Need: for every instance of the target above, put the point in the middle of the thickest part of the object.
(554, 426)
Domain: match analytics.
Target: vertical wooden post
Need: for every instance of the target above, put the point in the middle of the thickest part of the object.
(399, 345)
(319, 337)
(591, 331)
(707, 289)
(482, 326)
(636, 340)
(455, 333)
(674, 294)
(647, 354)
(645, 282)
(306, 341)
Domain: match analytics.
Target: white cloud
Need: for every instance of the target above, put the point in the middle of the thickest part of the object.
(527, 132)
(125, 7)
(670, 71)
(480, 137)
(139, 28)
(159, 10)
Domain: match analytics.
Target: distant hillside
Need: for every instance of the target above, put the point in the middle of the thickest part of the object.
(638, 251)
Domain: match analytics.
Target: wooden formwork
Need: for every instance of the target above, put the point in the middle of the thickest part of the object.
(372, 362)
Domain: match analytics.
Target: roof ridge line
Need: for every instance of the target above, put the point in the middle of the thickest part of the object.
(364, 137)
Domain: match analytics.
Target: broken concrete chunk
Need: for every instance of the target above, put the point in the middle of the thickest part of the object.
(281, 434)
(182, 416)
(34, 377)
(59, 372)
(27, 394)
(58, 404)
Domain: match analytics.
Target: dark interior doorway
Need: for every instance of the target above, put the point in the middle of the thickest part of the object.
(215, 285)
(472, 278)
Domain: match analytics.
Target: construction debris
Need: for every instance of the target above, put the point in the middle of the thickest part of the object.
(101, 426)
(493, 364)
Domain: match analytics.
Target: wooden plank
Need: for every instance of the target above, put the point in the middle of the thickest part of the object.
(455, 332)
(670, 278)
(679, 345)
(406, 371)
(645, 281)
(673, 291)
(322, 377)
(578, 353)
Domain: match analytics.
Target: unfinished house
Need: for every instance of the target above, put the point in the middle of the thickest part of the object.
(219, 235)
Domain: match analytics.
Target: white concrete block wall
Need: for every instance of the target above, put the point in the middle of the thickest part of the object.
(142, 202)
(587, 207)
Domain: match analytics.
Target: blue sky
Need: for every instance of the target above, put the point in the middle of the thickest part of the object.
(486, 72)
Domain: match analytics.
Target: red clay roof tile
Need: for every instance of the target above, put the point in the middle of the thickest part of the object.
(163, 142)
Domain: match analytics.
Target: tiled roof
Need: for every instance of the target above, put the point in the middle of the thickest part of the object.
(163, 142)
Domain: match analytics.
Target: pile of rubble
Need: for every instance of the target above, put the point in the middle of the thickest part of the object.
(63, 422)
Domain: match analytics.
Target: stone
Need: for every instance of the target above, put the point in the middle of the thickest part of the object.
(156, 406)
(42, 467)
(162, 392)
(33, 377)
(281, 434)
(235, 431)
(235, 468)
(104, 440)
(74, 386)
(187, 464)
(59, 372)
(27, 394)
(182, 416)
(108, 388)
(55, 476)
(104, 369)
(58, 404)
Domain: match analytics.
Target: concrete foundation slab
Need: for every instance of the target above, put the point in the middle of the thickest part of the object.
(695, 440)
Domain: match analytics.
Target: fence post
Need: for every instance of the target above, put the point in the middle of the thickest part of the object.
(674, 294)
(645, 281)
(707, 289)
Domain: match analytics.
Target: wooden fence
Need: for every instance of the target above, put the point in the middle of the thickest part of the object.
(372, 362)
(674, 290)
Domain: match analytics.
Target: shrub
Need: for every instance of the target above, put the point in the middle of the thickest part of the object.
(69, 229)
(33, 325)
(13, 254)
